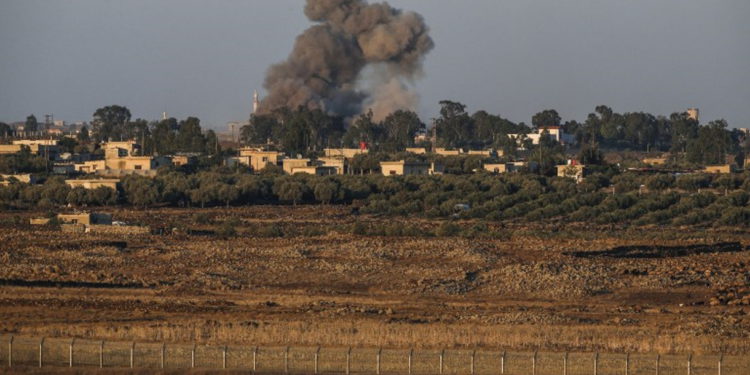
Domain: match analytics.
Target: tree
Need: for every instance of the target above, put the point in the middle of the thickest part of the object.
(111, 122)
(590, 154)
(326, 191)
(711, 144)
(454, 126)
(189, 136)
(289, 190)
(5, 130)
(83, 135)
(31, 124)
(141, 191)
(546, 118)
(364, 129)
(400, 129)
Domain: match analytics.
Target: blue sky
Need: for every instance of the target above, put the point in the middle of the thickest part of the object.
(510, 57)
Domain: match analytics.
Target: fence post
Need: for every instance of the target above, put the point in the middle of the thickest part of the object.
(565, 363)
(132, 355)
(41, 347)
(101, 354)
(192, 357)
(502, 363)
(627, 363)
(10, 351)
(163, 354)
(410, 353)
(317, 354)
(70, 352)
(442, 355)
(348, 360)
(286, 360)
(473, 357)
(721, 359)
(377, 361)
(533, 364)
(690, 363)
(596, 363)
(255, 356)
(658, 359)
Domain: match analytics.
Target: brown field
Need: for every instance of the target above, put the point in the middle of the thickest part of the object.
(549, 287)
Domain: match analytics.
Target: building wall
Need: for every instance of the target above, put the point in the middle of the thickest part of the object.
(290, 164)
(719, 169)
(93, 184)
(344, 152)
(338, 163)
(496, 168)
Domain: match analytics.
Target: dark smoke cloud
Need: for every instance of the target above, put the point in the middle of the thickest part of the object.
(326, 69)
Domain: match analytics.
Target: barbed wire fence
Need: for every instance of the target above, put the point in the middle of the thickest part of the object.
(78, 353)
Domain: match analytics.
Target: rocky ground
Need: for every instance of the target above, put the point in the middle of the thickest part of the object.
(546, 287)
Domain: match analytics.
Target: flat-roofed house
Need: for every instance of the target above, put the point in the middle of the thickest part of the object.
(289, 164)
(340, 164)
(93, 183)
(718, 169)
(10, 149)
(572, 170)
(316, 170)
(487, 153)
(417, 150)
(86, 218)
(655, 161)
(347, 153)
(408, 168)
(496, 167)
(5, 179)
(446, 152)
(91, 166)
(259, 159)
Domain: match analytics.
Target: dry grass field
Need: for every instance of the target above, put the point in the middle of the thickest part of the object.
(546, 287)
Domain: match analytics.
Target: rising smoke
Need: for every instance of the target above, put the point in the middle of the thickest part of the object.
(359, 56)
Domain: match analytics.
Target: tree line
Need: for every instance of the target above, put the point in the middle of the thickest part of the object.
(603, 198)
(307, 132)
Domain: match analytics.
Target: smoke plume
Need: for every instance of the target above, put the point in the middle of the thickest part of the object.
(327, 68)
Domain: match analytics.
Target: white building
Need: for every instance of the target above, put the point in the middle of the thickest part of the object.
(555, 132)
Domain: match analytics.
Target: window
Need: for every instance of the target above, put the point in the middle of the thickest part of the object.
(393, 172)
(138, 167)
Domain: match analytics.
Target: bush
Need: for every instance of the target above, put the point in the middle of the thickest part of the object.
(448, 229)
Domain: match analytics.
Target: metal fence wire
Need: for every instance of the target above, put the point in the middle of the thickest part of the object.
(20, 351)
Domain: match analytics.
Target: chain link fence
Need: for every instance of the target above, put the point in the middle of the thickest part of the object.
(56, 352)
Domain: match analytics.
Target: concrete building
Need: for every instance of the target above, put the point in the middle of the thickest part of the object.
(417, 150)
(289, 164)
(234, 161)
(694, 114)
(180, 160)
(655, 161)
(340, 164)
(487, 153)
(85, 218)
(406, 168)
(555, 132)
(718, 169)
(93, 183)
(5, 179)
(316, 170)
(347, 153)
(120, 149)
(496, 167)
(259, 159)
(446, 152)
(572, 170)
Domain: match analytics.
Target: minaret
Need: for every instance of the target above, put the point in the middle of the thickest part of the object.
(256, 102)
